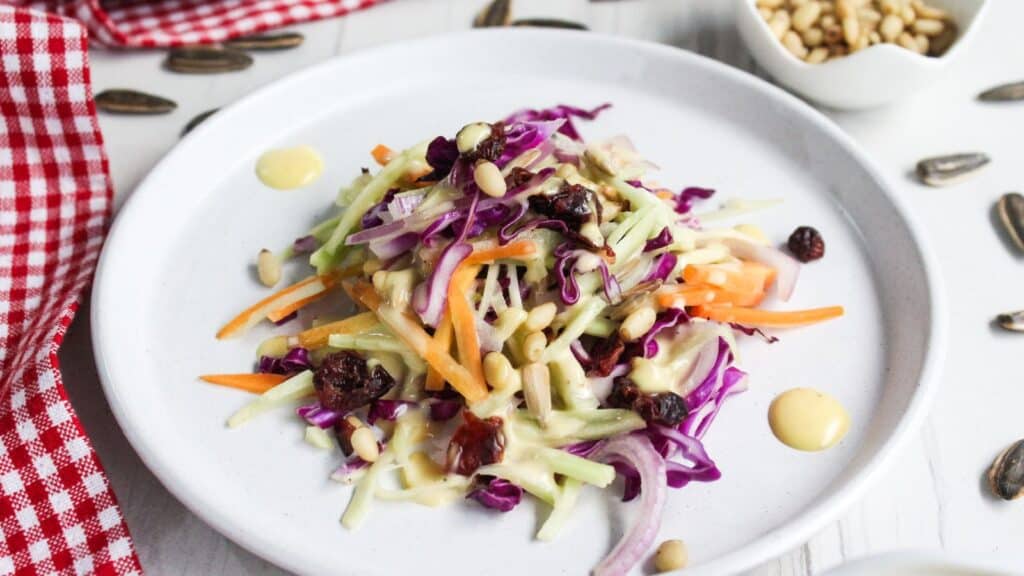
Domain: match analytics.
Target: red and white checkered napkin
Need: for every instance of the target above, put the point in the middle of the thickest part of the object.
(58, 514)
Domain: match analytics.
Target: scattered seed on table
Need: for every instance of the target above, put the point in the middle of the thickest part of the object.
(549, 23)
(496, 13)
(1004, 93)
(197, 120)
(282, 41)
(122, 101)
(206, 60)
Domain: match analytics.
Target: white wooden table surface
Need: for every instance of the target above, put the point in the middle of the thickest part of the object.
(934, 497)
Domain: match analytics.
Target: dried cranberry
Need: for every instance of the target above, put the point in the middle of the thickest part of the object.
(605, 355)
(476, 443)
(806, 244)
(571, 204)
(665, 408)
(343, 382)
(518, 177)
(491, 147)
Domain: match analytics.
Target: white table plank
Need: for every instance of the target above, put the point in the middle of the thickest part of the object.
(932, 497)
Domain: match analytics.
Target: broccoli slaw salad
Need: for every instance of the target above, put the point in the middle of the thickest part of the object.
(535, 314)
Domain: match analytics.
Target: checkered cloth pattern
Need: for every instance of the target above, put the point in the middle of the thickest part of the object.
(58, 514)
(164, 23)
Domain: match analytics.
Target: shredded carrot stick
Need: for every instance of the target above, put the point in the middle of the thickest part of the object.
(741, 280)
(463, 321)
(382, 154)
(283, 312)
(518, 250)
(410, 332)
(362, 292)
(317, 337)
(768, 318)
(443, 335)
(255, 383)
(686, 296)
(253, 314)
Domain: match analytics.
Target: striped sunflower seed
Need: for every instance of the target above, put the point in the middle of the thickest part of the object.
(206, 60)
(496, 13)
(281, 41)
(121, 101)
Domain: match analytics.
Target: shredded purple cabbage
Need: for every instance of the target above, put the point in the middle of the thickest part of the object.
(561, 112)
(375, 215)
(498, 494)
(396, 246)
(662, 266)
(582, 449)
(668, 318)
(664, 238)
(388, 410)
(524, 135)
(305, 245)
(686, 198)
(317, 415)
(697, 423)
(295, 361)
(700, 395)
(750, 331)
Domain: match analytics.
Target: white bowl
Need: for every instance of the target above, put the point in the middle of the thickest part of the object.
(871, 77)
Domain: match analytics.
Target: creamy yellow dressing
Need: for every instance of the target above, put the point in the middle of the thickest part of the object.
(808, 420)
(289, 168)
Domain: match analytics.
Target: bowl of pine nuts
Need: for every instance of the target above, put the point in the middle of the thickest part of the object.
(855, 54)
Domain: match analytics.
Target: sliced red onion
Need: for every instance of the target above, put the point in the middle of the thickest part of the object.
(378, 213)
(317, 415)
(437, 227)
(787, 269)
(637, 451)
(404, 204)
(350, 471)
(381, 232)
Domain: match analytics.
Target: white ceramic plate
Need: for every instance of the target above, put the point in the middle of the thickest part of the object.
(178, 264)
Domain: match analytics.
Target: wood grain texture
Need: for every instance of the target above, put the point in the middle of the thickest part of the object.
(933, 497)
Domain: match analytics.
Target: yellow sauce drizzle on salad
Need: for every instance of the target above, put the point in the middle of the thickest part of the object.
(808, 420)
(289, 168)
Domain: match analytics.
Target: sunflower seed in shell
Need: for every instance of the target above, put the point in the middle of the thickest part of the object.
(496, 13)
(1011, 213)
(120, 101)
(945, 170)
(549, 23)
(197, 120)
(206, 60)
(1004, 93)
(280, 41)
(1006, 475)
(1012, 321)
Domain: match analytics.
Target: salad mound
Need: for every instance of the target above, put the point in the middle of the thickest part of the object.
(535, 314)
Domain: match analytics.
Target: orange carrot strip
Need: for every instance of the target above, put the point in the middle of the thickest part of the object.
(283, 312)
(382, 154)
(410, 332)
(255, 383)
(463, 321)
(259, 310)
(686, 296)
(664, 194)
(362, 292)
(768, 318)
(518, 250)
(725, 277)
(443, 335)
(737, 298)
(765, 273)
(317, 337)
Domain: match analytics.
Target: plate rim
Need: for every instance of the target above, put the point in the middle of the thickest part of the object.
(790, 535)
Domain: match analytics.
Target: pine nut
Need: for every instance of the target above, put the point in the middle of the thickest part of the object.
(770, 3)
(779, 24)
(472, 135)
(844, 8)
(766, 13)
(874, 37)
(890, 6)
(268, 267)
(827, 21)
(922, 43)
(851, 30)
(795, 4)
(637, 323)
(806, 16)
(924, 11)
(907, 41)
(869, 17)
(861, 43)
(671, 555)
(498, 371)
(488, 178)
(540, 317)
(534, 345)
(908, 15)
(364, 444)
(537, 390)
(928, 27)
(791, 40)
(827, 8)
(891, 27)
(818, 55)
(813, 37)
(275, 346)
